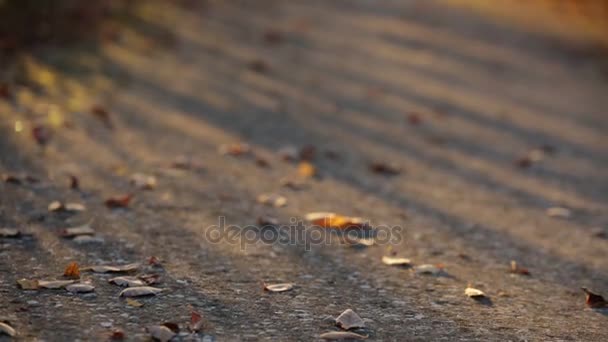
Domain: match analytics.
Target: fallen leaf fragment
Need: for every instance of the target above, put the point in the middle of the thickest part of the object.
(594, 300)
(288, 153)
(140, 291)
(278, 287)
(72, 271)
(117, 335)
(84, 229)
(121, 201)
(41, 134)
(80, 288)
(86, 239)
(361, 242)
(7, 329)
(154, 261)
(559, 212)
(54, 284)
(27, 284)
(161, 333)
(308, 152)
(332, 220)
(342, 335)
(349, 320)
(236, 149)
(6, 178)
(150, 279)
(143, 181)
(307, 170)
(126, 281)
(112, 269)
(9, 233)
(57, 206)
(393, 261)
(428, 269)
(384, 168)
(74, 182)
(515, 269)
(134, 303)
(268, 221)
(103, 115)
(196, 321)
(474, 293)
(272, 200)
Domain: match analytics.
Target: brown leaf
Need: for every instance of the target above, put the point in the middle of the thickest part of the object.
(278, 287)
(235, 149)
(7, 178)
(72, 271)
(307, 170)
(196, 321)
(27, 284)
(7, 330)
(594, 300)
(150, 279)
(349, 320)
(41, 134)
(261, 162)
(5, 92)
(74, 182)
(112, 269)
(267, 221)
(134, 303)
(103, 115)
(515, 269)
(308, 152)
(80, 288)
(383, 168)
(121, 201)
(154, 261)
(140, 291)
(117, 335)
(559, 212)
(332, 220)
(342, 335)
(161, 333)
(9, 233)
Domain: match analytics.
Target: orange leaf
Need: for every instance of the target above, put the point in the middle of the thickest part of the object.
(119, 201)
(331, 220)
(72, 271)
(594, 300)
(307, 170)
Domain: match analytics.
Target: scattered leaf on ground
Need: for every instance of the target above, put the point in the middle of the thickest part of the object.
(267, 221)
(360, 242)
(185, 163)
(54, 284)
(515, 269)
(154, 261)
(121, 201)
(117, 335)
(74, 182)
(134, 303)
(143, 181)
(196, 321)
(27, 284)
(161, 333)
(272, 200)
(72, 271)
(112, 269)
(80, 288)
(384, 168)
(7, 178)
(140, 291)
(278, 287)
(428, 269)
(332, 220)
(84, 229)
(341, 335)
(261, 162)
(86, 239)
(103, 115)
(349, 320)
(7, 330)
(288, 153)
(474, 293)
(559, 212)
(307, 152)
(236, 149)
(57, 206)
(9, 233)
(126, 281)
(150, 279)
(41, 134)
(292, 184)
(393, 261)
(594, 300)
(306, 170)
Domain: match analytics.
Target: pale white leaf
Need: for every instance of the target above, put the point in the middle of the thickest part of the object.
(349, 320)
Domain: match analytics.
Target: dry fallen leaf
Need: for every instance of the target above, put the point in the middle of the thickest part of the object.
(143, 181)
(41, 134)
(559, 212)
(594, 300)
(332, 220)
(267, 221)
(196, 321)
(9, 233)
(392, 261)
(385, 169)
(57, 206)
(134, 303)
(161, 333)
(278, 287)
(341, 335)
(27, 284)
(360, 242)
(121, 201)
(307, 170)
(103, 115)
(6, 178)
(7, 330)
(236, 149)
(54, 284)
(515, 269)
(474, 293)
(126, 281)
(150, 279)
(117, 335)
(74, 182)
(80, 288)
(112, 269)
(140, 291)
(72, 271)
(84, 229)
(288, 153)
(307, 152)
(349, 320)
(428, 269)
(272, 200)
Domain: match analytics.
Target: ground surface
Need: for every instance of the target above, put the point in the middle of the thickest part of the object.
(343, 76)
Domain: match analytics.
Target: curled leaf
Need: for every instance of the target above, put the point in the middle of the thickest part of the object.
(117, 335)
(349, 320)
(393, 261)
(332, 220)
(140, 291)
(474, 293)
(594, 300)
(161, 333)
(126, 281)
(7, 330)
(80, 288)
(278, 287)
(342, 335)
(72, 271)
(9, 233)
(112, 269)
(119, 201)
(272, 200)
